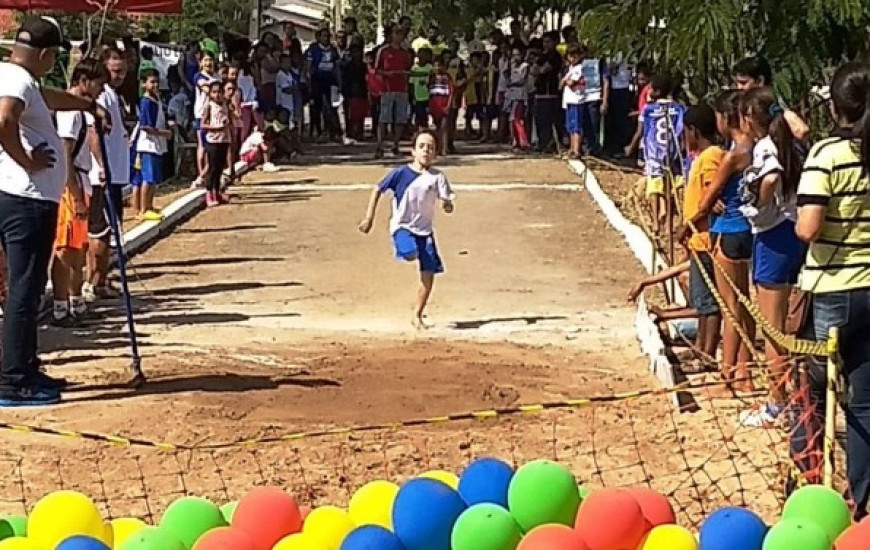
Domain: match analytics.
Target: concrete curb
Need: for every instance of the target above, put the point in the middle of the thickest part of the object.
(651, 342)
(145, 234)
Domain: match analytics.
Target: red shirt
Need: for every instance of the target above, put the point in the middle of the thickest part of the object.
(391, 58)
(643, 99)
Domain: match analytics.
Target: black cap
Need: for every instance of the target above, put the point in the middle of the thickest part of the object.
(41, 33)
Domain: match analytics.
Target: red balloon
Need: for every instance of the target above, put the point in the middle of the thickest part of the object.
(304, 511)
(855, 537)
(655, 506)
(611, 519)
(267, 515)
(552, 537)
(224, 538)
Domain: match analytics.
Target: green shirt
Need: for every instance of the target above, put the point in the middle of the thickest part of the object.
(419, 79)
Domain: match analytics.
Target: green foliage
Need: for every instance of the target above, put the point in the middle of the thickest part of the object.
(230, 15)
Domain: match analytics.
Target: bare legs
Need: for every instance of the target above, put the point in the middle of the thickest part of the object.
(427, 281)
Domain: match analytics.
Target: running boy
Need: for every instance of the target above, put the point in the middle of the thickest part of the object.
(151, 145)
(416, 188)
(71, 241)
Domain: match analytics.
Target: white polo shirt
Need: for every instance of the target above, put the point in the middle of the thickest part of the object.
(37, 128)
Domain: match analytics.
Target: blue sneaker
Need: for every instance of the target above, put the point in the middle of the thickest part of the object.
(30, 396)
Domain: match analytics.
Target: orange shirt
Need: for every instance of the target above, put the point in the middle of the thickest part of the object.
(700, 177)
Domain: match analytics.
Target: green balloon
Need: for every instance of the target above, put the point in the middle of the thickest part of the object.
(13, 526)
(485, 527)
(189, 518)
(228, 509)
(821, 506)
(584, 492)
(153, 538)
(793, 534)
(543, 492)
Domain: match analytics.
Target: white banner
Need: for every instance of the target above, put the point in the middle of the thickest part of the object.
(166, 56)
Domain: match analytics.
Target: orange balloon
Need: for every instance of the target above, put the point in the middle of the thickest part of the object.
(552, 537)
(224, 538)
(655, 506)
(267, 515)
(611, 519)
(855, 537)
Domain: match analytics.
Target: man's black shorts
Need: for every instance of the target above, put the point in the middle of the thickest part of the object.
(98, 215)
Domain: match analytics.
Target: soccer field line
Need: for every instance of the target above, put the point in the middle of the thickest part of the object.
(570, 187)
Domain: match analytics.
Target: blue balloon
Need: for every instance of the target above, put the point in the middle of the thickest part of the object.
(81, 542)
(731, 528)
(424, 513)
(486, 480)
(371, 537)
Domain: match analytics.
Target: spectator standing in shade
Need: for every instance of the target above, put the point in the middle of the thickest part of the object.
(323, 61)
(32, 178)
(548, 98)
(393, 65)
(432, 41)
(594, 102)
(617, 127)
(569, 38)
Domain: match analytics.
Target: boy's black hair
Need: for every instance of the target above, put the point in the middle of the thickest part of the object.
(568, 30)
(426, 132)
(755, 67)
(350, 19)
(148, 73)
(425, 49)
(850, 89)
(702, 118)
(574, 49)
(662, 83)
(727, 103)
(644, 67)
(147, 52)
(477, 55)
(90, 69)
(111, 51)
(216, 84)
(283, 115)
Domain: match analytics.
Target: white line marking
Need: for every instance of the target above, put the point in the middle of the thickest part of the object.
(573, 187)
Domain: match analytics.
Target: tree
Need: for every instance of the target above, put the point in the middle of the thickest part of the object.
(230, 15)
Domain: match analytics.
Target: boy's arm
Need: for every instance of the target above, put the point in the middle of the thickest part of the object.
(72, 180)
(368, 221)
(711, 194)
(660, 277)
(445, 193)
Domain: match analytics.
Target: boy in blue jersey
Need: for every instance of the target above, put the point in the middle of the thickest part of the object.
(662, 123)
(416, 188)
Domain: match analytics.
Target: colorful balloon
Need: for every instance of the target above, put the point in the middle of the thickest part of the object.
(583, 491)
(796, 534)
(486, 480)
(372, 504)
(153, 538)
(619, 512)
(655, 506)
(80, 542)
(189, 518)
(448, 478)
(64, 514)
(268, 515)
(855, 537)
(485, 527)
(18, 543)
(543, 492)
(328, 526)
(732, 527)
(552, 537)
(297, 541)
(17, 524)
(224, 538)
(820, 505)
(424, 514)
(228, 509)
(123, 528)
(670, 537)
(371, 537)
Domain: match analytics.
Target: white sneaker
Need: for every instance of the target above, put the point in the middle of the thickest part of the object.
(197, 183)
(89, 294)
(760, 416)
(270, 168)
(349, 141)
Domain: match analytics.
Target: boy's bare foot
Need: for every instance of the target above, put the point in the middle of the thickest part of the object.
(419, 324)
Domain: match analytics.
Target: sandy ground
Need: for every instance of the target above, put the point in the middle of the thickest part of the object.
(274, 315)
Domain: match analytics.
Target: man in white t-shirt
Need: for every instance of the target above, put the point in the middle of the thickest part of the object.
(118, 158)
(32, 179)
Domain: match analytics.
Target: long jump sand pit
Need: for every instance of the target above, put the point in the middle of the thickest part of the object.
(274, 315)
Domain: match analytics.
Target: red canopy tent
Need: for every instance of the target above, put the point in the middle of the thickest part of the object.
(79, 6)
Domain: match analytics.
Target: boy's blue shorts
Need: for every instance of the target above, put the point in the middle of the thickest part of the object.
(151, 167)
(573, 124)
(410, 247)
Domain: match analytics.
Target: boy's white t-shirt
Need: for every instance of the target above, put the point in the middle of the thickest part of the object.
(573, 95)
(69, 126)
(415, 195)
(285, 80)
(253, 141)
(117, 141)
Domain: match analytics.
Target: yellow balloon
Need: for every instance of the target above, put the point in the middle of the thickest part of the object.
(123, 529)
(372, 504)
(299, 541)
(328, 526)
(447, 478)
(669, 537)
(63, 514)
(18, 543)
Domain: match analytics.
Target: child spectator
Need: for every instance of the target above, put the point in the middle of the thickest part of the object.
(516, 97)
(146, 63)
(699, 129)
(662, 133)
(474, 93)
(286, 85)
(202, 81)
(71, 241)
(375, 86)
(594, 101)
(456, 69)
(572, 90)
(755, 72)
(257, 148)
(441, 90)
(769, 198)
(301, 92)
(251, 117)
(419, 80)
(356, 94)
(491, 108)
(504, 76)
(151, 145)
(224, 72)
(179, 109)
(416, 189)
(643, 74)
(216, 125)
(233, 100)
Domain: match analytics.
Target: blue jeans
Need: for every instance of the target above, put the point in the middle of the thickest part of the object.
(590, 122)
(850, 312)
(27, 230)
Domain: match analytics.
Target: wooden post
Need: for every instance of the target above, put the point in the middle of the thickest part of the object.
(832, 389)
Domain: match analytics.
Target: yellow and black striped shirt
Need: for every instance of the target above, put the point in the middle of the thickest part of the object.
(840, 258)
